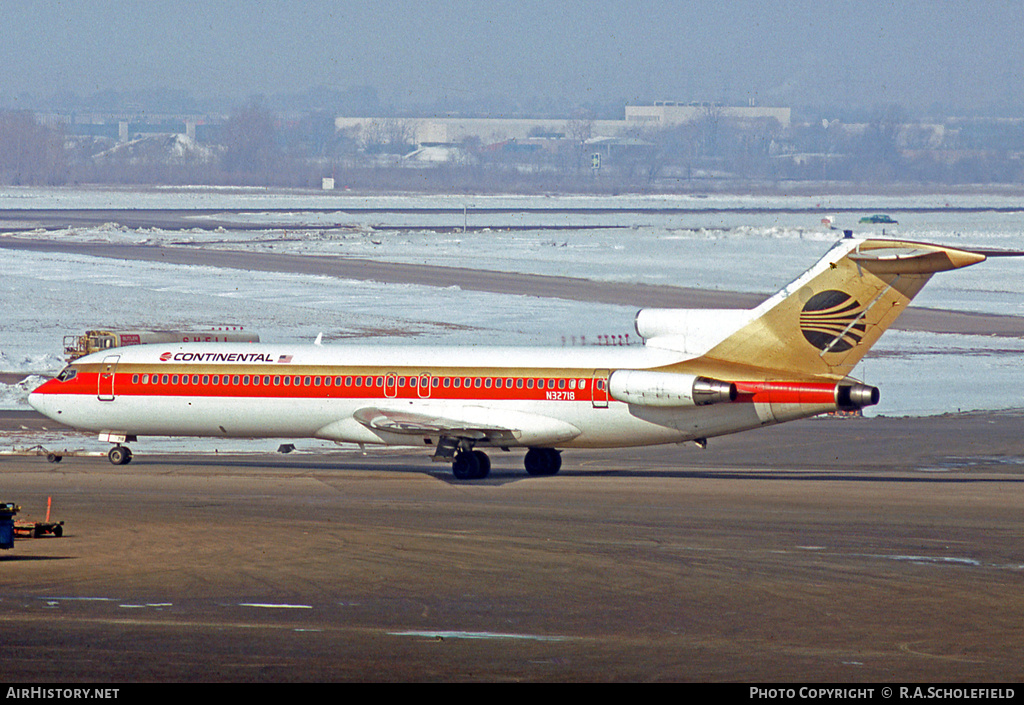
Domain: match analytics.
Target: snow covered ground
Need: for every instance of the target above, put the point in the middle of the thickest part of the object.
(46, 296)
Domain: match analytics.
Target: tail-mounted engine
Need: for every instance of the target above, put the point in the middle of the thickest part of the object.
(669, 389)
(853, 397)
(646, 388)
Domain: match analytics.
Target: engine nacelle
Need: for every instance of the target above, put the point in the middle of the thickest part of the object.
(646, 388)
(853, 397)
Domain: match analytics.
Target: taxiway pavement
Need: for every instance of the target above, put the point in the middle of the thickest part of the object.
(823, 550)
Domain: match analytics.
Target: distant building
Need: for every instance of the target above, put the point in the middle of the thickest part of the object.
(668, 113)
(453, 130)
(448, 130)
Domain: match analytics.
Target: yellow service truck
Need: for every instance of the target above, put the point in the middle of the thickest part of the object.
(95, 340)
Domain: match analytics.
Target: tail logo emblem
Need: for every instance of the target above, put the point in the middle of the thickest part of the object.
(832, 321)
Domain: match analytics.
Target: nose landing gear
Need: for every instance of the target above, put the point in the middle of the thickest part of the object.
(119, 455)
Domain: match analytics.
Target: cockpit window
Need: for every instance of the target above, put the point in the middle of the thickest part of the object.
(68, 373)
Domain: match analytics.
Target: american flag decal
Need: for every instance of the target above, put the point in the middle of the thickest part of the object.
(832, 321)
(285, 358)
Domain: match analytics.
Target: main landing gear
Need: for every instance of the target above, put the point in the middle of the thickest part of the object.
(543, 461)
(469, 464)
(119, 455)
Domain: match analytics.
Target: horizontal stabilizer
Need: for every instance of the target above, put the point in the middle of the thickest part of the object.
(911, 258)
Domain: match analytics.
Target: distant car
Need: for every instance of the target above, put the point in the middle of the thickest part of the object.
(878, 218)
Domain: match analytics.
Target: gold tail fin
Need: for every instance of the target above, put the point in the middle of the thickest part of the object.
(825, 322)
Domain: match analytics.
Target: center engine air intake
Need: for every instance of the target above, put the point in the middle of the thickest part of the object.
(646, 388)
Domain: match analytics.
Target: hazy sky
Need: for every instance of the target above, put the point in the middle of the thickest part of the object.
(826, 52)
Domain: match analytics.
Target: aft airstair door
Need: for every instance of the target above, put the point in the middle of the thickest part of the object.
(105, 385)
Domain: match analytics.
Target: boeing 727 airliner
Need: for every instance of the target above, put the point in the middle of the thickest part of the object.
(700, 373)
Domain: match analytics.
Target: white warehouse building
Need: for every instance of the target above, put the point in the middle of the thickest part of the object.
(452, 130)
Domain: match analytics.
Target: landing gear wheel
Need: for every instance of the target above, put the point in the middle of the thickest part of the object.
(485, 464)
(471, 465)
(540, 462)
(466, 465)
(119, 455)
(54, 458)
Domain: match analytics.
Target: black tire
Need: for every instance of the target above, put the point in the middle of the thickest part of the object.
(485, 464)
(542, 462)
(54, 458)
(466, 466)
(119, 455)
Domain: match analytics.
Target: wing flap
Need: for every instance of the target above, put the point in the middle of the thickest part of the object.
(476, 423)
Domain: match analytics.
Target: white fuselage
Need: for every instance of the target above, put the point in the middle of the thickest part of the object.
(542, 396)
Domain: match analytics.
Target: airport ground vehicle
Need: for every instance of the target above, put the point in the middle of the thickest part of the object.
(75, 346)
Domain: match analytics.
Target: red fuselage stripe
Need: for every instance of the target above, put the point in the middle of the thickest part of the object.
(391, 385)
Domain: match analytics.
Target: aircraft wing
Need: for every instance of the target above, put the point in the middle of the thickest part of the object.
(477, 423)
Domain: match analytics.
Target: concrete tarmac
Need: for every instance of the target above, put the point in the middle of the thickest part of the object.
(827, 550)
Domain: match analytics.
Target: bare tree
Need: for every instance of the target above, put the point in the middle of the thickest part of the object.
(250, 141)
(578, 131)
(30, 153)
(388, 136)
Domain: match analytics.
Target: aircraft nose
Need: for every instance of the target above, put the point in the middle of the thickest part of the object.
(43, 403)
